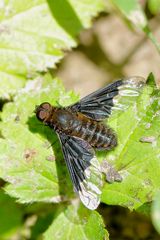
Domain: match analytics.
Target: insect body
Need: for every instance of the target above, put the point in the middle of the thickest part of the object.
(77, 124)
(80, 129)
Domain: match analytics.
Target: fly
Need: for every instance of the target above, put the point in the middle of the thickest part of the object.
(80, 129)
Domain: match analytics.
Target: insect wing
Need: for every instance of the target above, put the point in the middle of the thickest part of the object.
(99, 104)
(84, 169)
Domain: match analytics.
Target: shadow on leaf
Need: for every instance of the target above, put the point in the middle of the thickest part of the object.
(65, 186)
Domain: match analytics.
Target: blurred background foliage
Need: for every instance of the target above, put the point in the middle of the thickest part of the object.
(118, 41)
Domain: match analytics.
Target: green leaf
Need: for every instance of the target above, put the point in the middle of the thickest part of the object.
(71, 223)
(37, 172)
(151, 80)
(133, 12)
(137, 156)
(154, 6)
(27, 160)
(34, 33)
(156, 212)
(11, 216)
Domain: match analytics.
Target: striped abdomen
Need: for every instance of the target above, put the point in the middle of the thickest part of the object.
(95, 133)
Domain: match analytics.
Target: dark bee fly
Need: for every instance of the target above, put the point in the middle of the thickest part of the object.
(80, 129)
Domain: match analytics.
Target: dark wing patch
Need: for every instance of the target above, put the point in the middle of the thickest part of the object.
(84, 169)
(98, 105)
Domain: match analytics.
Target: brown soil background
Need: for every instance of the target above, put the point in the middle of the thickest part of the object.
(108, 51)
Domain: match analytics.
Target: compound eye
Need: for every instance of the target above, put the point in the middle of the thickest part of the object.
(45, 105)
(42, 114)
(43, 111)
